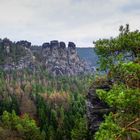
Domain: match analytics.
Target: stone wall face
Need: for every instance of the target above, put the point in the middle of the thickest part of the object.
(96, 109)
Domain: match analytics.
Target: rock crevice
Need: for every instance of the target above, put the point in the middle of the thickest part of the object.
(96, 109)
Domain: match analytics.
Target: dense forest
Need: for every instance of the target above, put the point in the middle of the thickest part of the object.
(57, 105)
(35, 105)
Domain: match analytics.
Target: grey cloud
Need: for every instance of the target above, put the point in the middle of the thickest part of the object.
(81, 21)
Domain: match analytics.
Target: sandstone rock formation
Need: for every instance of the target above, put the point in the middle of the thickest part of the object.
(60, 60)
(96, 109)
(24, 43)
(55, 57)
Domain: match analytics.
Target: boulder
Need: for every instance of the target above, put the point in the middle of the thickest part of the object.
(54, 43)
(62, 45)
(71, 45)
(45, 45)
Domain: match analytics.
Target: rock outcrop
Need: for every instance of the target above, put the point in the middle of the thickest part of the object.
(24, 43)
(60, 60)
(96, 109)
(55, 57)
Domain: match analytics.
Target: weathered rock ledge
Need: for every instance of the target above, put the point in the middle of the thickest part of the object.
(96, 109)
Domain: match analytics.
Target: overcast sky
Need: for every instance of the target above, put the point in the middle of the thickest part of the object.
(80, 21)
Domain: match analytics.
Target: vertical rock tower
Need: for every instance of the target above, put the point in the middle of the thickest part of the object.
(62, 60)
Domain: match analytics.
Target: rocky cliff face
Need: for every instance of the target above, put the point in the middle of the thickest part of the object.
(62, 60)
(54, 56)
(96, 109)
(15, 55)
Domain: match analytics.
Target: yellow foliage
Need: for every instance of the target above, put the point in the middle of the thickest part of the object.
(28, 88)
(18, 90)
(59, 99)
